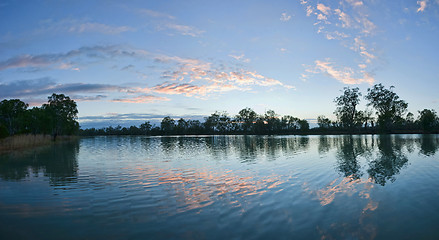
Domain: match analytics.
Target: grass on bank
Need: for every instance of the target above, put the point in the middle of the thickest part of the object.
(22, 142)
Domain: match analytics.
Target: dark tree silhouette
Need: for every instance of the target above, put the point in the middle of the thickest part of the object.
(12, 115)
(428, 120)
(346, 110)
(63, 113)
(388, 106)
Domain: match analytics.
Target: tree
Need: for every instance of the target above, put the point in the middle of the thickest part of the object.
(346, 110)
(271, 120)
(290, 123)
(12, 113)
(246, 117)
(323, 122)
(389, 108)
(303, 124)
(63, 113)
(145, 128)
(167, 125)
(428, 119)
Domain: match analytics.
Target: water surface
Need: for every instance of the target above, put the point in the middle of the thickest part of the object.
(224, 187)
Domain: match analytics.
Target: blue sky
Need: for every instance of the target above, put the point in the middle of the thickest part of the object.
(125, 62)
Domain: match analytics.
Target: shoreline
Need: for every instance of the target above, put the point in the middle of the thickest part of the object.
(30, 141)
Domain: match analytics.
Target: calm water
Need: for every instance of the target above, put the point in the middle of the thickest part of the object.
(224, 187)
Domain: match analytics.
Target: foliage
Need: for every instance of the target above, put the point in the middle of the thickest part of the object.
(389, 107)
(346, 110)
(62, 112)
(57, 117)
(323, 122)
(12, 115)
(428, 120)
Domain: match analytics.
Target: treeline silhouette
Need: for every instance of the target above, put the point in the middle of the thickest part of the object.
(56, 117)
(388, 115)
(391, 116)
(246, 122)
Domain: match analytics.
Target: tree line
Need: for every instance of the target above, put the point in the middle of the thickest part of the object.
(56, 117)
(388, 114)
(247, 121)
(391, 113)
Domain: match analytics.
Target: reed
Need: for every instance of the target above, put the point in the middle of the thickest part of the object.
(22, 142)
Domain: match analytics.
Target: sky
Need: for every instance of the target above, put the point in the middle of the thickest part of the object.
(127, 62)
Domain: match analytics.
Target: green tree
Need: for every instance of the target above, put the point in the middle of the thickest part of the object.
(389, 107)
(167, 125)
(290, 123)
(303, 124)
(323, 122)
(272, 122)
(428, 120)
(246, 117)
(346, 103)
(145, 128)
(63, 113)
(12, 113)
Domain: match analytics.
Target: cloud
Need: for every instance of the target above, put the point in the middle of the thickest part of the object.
(285, 17)
(99, 28)
(345, 75)
(183, 29)
(47, 86)
(344, 18)
(61, 60)
(88, 98)
(79, 26)
(240, 58)
(355, 3)
(336, 35)
(155, 14)
(324, 9)
(422, 5)
(142, 99)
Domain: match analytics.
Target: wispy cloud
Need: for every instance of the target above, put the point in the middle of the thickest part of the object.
(79, 26)
(422, 5)
(62, 60)
(142, 99)
(240, 58)
(345, 75)
(182, 29)
(284, 17)
(347, 21)
(324, 9)
(47, 86)
(100, 28)
(156, 14)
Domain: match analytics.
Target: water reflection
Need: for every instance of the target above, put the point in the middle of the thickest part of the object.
(386, 155)
(58, 163)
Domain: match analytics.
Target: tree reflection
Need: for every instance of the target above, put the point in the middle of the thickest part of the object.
(429, 145)
(390, 161)
(348, 152)
(58, 162)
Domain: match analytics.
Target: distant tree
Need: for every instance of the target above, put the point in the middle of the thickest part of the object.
(346, 110)
(323, 122)
(246, 117)
(303, 124)
(428, 120)
(167, 125)
(145, 128)
(272, 122)
(389, 108)
(181, 127)
(63, 113)
(12, 113)
(290, 123)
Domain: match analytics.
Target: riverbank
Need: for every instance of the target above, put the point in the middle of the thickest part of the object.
(24, 142)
